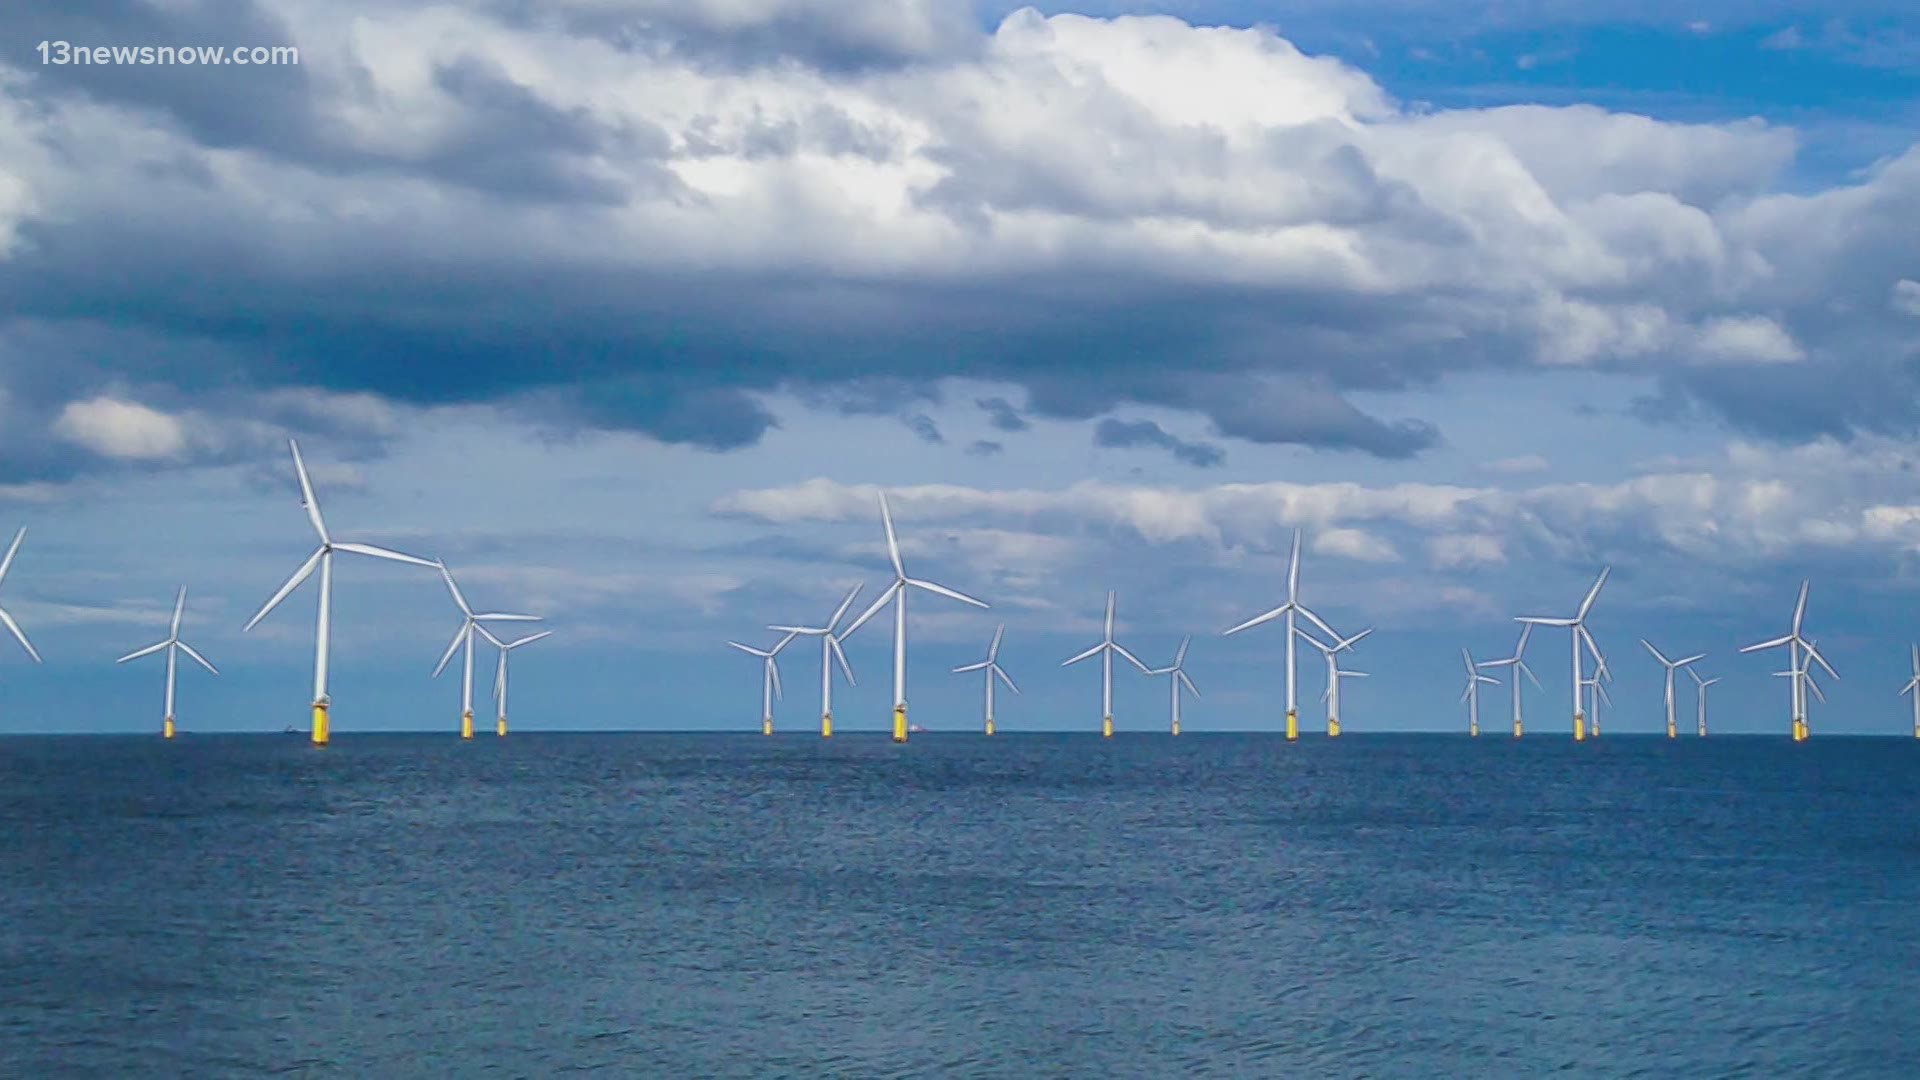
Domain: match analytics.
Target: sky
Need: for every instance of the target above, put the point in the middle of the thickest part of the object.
(627, 309)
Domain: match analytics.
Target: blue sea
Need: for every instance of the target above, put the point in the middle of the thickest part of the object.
(1023, 906)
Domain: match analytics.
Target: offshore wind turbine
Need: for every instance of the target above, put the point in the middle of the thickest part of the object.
(1913, 687)
(1700, 697)
(464, 637)
(1332, 694)
(769, 678)
(1471, 695)
(5, 565)
(1520, 667)
(1577, 623)
(897, 592)
(173, 645)
(1600, 694)
(323, 559)
(1672, 666)
(830, 651)
(1795, 646)
(1600, 671)
(1178, 669)
(1289, 609)
(1803, 677)
(1105, 651)
(500, 669)
(991, 665)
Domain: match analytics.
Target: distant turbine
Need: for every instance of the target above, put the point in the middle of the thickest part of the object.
(1519, 664)
(1700, 697)
(897, 592)
(323, 558)
(769, 678)
(1795, 645)
(830, 651)
(464, 636)
(1672, 666)
(1332, 693)
(500, 670)
(1105, 651)
(1913, 687)
(1600, 694)
(1290, 609)
(1178, 669)
(1803, 677)
(1600, 671)
(1576, 624)
(174, 646)
(1471, 695)
(5, 565)
(991, 665)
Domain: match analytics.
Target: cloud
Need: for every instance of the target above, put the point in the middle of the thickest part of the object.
(1452, 551)
(1002, 414)
(1132, 433)
(924, 428)
(984, 448)
(124, 430)
(1751, 339)
(1906, 296)
(1354, 544)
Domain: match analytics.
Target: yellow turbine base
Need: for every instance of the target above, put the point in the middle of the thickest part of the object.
(899, 723)
(500, 727)
(321, 732)
(1799, 731)
(166, 728)
(766, 726)
(466, 725)
(1579, 727)
(1518, 729)
(1176, 730)
(826, 725)
(1672, 732)
(1473, 729)
(1293, 726)
(1333, 727)
(1106, 727)
(990, 727)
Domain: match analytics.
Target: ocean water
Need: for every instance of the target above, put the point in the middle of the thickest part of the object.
(729, 905)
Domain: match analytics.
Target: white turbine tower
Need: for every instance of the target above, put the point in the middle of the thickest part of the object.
(1576, 625)
(897, 592)
(5, 565)
(1673, 667)
(1913, 687)
(1795, 646)
(323, 559)
(1700, 698)
(469, 622)
(1520, 667)
(991, 665)
(173, 645)
(1105, 651)
(1471, 695)
(1290, 609)
(769, 678)
(830, 651)
(1331, 653)
(500, 670)
(1178, 670)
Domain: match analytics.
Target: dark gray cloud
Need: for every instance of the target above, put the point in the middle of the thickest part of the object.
(924, 428)
(1132, 433)
(984, 448)
(1002, 414)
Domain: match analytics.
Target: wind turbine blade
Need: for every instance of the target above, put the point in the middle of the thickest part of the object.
(1095, 651)
(1526, 631)
(459, 636)
(458, 599)
(148, 651)
(946, 592)
(530, 638)
(179, 609)
(782, 643)
(1522, 665)
(872, 609)
(499, 674)
(1005, 678)
(1314, 641)
(307, 500)
(1316, 620)
(1774, 644)
(993, 647)
(1657, 655)
(1293, 570)
(1122, 650)
(841, 611)
(485, 633)
(1593, 593)
(1354, 640)
(1258, 619)
(502, 616)
(20, 634)
(981, 666)
(1464, 694)
(1182, 676)
(384, 553)
(773, 671)
(189, 650)
(1353, 674)
(1540, 620)
(1180, 655)
(1110, 599)
(1498, 663)
(1815, 654)
(1689, 660)
(1800, 607)
(1467, 657)
(1602, 691)
(300, 575)
(840, 655)
(1815, 687)
(762, 653)
(893, 542)
(12, 550)
(1482, 678)
(806, 630)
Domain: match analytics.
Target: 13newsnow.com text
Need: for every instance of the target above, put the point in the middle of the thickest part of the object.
(65, 52)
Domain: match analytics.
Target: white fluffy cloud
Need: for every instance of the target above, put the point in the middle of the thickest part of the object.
(126, 430)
